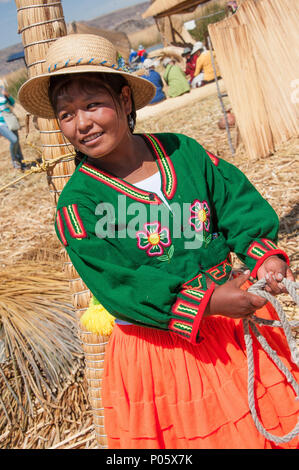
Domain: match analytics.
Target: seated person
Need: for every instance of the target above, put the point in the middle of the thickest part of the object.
(190, 63)
(175, 78)
(154, 77)
(204, 65)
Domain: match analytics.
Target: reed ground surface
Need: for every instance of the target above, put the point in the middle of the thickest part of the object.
(27, 236)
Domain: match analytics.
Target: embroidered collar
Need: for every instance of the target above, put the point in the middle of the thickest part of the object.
(165, 165)
(169, 181)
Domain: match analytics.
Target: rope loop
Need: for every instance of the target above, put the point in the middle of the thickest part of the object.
(249, 325)
(44, 166)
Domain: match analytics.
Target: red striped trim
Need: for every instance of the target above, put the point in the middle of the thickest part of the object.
(269, 244)
(162, 169)
(213, 157)
(266, 255)
(184, 314)
(191, 292)
(256, 246)
(198, 277)
(79, 221)
(203, 304)
(177, 326)
(69, 223)
(219, 271)
(60, 227)
(120, 185)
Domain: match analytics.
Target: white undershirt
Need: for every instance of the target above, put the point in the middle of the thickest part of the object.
(152, 184)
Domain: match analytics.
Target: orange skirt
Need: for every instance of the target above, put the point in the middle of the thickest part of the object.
(161, 392)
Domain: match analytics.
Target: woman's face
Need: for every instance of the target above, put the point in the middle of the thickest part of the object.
(89, 118)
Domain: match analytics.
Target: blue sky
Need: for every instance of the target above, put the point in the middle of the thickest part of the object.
(74, 10)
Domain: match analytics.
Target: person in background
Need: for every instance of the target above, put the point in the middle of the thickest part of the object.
(154, 77)
(204, 72)
(190, 63)
(133, 55)
(198, 48)
(142, 54)
(133, 58)
(15, 150)
(175, 78)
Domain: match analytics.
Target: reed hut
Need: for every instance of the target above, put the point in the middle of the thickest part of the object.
(39, 25)
(257, 55)
(168, 18)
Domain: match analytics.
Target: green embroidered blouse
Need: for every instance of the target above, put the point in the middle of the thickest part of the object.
(149, 265)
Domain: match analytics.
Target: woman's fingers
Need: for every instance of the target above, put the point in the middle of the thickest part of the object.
(274, 285)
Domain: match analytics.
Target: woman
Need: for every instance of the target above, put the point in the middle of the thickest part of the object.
(15, 151)
(148, 221)
(154, 77)
(175, 78)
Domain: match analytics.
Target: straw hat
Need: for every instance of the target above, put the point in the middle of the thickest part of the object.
(79, 53)
(148, 63)
(198, 46)
(166, 61)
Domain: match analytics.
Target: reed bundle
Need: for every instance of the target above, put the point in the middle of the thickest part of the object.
(257, 55)
(38, 338)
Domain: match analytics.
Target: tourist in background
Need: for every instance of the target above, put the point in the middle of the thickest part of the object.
(175, 78)
(197, 78)
(141, 53)
(190, 63)
(204, 71)
(155, 78)
(11, 135)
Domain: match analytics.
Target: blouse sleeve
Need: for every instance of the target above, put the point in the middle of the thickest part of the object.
(142, 295)
(199, 65)
(248, 222)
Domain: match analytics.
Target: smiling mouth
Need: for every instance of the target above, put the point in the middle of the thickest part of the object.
(91, 138)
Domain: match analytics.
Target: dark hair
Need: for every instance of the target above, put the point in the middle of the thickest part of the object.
(112, 82)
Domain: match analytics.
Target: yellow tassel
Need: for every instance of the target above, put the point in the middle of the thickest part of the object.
(96, 319)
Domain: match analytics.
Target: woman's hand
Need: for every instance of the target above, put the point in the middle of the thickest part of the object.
(274, 269)
(231, 301)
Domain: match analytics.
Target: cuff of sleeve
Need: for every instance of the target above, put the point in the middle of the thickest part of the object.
(260, 250)
(269, 253)
(187, 315)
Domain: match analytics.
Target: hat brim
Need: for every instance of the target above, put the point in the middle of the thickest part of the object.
(33, 94)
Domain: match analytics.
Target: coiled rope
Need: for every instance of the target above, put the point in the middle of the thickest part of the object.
(258, 288)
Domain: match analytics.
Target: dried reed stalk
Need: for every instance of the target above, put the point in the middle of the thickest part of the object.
(39, 332)
(40, 25)
(257, 56)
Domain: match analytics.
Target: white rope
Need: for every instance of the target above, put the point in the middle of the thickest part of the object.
(258, 288)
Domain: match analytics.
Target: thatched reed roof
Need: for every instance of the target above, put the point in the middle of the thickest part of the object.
(118, 38)
(161, 8)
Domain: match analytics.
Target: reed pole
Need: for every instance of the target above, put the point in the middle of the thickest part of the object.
(40, 22)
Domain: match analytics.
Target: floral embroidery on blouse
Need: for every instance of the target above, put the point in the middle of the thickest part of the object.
(200, 215)
(153, 239)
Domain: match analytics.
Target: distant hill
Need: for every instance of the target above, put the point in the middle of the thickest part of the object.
(127, 20)
(7, 67)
